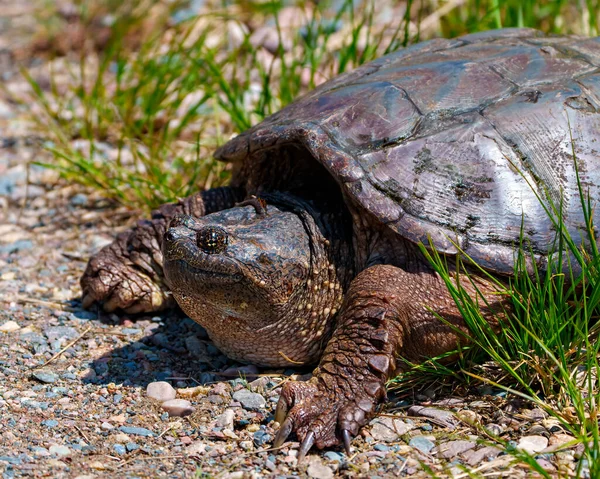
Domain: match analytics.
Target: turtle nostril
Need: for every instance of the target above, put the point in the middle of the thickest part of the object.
(212, 239)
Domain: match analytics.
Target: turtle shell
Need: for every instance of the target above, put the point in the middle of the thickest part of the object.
(460, 142)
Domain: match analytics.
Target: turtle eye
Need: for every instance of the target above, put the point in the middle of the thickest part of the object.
(212, 239)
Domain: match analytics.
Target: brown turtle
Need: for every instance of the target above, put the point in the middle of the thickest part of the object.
(312, 256)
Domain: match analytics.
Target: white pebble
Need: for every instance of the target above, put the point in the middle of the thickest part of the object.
(178, 407)
(9, 327)
(161, 391)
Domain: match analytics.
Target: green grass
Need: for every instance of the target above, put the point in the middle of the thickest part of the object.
(139, 116)
(141, 112)
(546, 347)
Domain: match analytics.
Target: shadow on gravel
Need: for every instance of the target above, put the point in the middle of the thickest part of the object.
(169, 347)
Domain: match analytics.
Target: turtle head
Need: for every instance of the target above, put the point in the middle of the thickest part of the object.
(241, 273)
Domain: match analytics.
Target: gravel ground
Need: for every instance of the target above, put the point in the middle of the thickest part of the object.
(74, 394)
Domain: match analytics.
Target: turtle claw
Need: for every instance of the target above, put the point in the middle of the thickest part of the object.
(284, 431)
(308, 442)
(281, 412)
(346, 438)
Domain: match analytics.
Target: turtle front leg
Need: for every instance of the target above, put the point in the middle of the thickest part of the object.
(128, 273)
(384, 316)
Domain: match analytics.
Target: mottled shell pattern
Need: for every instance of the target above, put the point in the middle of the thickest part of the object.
(456, 140)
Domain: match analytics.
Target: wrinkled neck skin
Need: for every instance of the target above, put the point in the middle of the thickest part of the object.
(268, 289)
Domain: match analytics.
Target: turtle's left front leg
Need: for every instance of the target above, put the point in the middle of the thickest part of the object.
(385, 315)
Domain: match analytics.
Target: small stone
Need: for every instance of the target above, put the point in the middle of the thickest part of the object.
(448, 450)
(9, 327)
(494, 429)
(131, 446)
(59, 450)
(136, 431)
(532, 444)
(225, 420)
(388, 429)
(381, 448)
(47, 377)
(487, 453)
(50, 423)
(318, 470)
(439, 416)
(249, 400)
(39, 451)
(178, 407)
(79, 200)
(422, 444)
(260, 438)
(333, 456)
(161, 391)
(107, 426)
(120, 449)
(196, 448)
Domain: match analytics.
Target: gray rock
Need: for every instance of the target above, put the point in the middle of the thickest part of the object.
(388, 429)
(225, 420)
(318, 470)
(60, 332)
(487, 453)
(448, 450)
(59, 451)
(160, 391)
(136, 431)
(47, 377)
(422, 444)
(120, 449)
(438, 416)
(260, 438)
(333, 456)
(178, 407)
(249, 400)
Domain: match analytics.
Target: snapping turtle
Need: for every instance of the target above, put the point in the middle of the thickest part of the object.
(311, 254)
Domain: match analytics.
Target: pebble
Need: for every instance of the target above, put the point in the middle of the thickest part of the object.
(131, 446)
(445, 418)
(260, 438)
(225, 420)
(494, 429)
(178, 407)
(333, 456)
(161, 391)
(9, 327)
(318, 470)
(136, 431)
(47, 377)
(448, 450)
(388, 429)
(120, 449)
(532, 444)
(487, 453)
(249, 400)
(422, 444)
(59, 450)
(50, 423)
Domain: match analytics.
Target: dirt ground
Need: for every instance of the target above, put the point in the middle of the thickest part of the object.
(73, 399)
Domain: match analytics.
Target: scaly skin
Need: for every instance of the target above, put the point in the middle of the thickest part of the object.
(128, 273)
(387, 313)
(266, 280)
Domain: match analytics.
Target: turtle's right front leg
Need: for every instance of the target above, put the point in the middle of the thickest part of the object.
(128, 273)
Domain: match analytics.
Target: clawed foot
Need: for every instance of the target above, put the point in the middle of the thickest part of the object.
(125, 278)
(321, 413)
